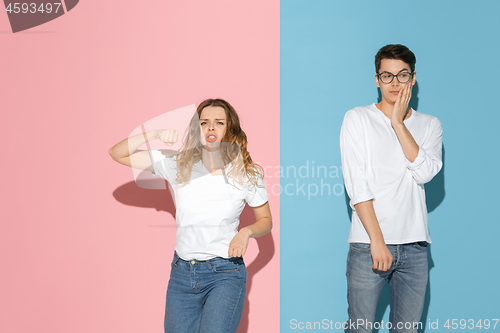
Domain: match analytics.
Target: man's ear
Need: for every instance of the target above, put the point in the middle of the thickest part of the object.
(414, 78)
(376, 80)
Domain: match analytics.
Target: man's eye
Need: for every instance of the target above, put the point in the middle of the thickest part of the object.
(386, 76)
(403, 76)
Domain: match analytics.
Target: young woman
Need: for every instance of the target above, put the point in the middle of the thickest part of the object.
(211, 178)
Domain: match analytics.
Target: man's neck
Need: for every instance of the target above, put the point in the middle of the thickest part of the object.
(386, 108)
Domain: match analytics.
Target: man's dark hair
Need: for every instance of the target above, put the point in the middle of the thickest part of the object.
(396, 52)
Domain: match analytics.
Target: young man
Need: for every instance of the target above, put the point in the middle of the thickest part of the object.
(389, 151)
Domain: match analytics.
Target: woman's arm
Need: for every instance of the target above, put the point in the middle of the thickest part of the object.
(124, 152)
(263, 224)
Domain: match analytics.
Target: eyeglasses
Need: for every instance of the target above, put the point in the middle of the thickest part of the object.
(403, 77)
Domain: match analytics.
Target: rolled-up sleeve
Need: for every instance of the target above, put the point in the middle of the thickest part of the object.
(353, 154)
(429, 159)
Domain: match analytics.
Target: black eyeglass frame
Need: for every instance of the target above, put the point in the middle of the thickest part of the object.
(397, 77)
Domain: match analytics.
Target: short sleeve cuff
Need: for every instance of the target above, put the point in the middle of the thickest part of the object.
(418, 161)
(259, 195)
(258, 203)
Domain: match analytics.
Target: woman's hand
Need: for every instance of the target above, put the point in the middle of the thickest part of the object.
(263, 224)
(168, 136)
(239, 243)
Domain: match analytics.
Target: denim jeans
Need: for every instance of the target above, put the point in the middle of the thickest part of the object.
(205, 296)
(407, 279)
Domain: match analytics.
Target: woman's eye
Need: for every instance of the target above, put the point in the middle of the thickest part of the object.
(203, 123)
(220, 123)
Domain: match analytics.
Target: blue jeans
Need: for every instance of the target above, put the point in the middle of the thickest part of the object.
(205, 296)
(407, 278)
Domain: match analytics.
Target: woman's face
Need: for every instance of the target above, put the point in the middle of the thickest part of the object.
(213, 124)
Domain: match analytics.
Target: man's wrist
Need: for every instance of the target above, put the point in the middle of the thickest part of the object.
(377, 240)
(397, 124)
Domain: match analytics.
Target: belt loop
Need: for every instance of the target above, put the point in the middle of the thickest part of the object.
(176, 259)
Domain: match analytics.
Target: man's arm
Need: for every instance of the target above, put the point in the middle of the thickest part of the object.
(381, 256)
(410, 147)
(424, 162)
(354, 169)
(353, 155)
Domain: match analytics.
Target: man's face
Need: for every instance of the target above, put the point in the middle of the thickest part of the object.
(391, 90)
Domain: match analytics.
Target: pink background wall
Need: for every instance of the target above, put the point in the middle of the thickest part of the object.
(83, 249)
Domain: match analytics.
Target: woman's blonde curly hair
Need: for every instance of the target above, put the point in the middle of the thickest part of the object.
(235, 152)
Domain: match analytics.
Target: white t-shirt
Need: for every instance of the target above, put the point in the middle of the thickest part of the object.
(207, 208)
(375, 168)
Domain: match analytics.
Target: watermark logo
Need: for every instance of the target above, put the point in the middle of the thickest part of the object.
(32, 13)
(306, 179)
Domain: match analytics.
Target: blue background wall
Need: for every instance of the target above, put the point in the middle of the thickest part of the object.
(327, 53)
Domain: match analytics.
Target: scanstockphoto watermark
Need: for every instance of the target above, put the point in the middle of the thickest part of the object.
(308, 180)
(448, 324)
(328, 324)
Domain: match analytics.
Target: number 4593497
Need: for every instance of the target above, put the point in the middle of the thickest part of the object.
(32, 8)
(471, 324)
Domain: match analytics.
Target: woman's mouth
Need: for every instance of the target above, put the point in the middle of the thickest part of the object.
(211, 138)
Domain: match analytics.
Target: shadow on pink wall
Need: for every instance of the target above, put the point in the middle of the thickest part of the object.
(132, 195)
(266, 253)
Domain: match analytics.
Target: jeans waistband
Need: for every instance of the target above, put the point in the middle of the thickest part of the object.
(237, 260)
